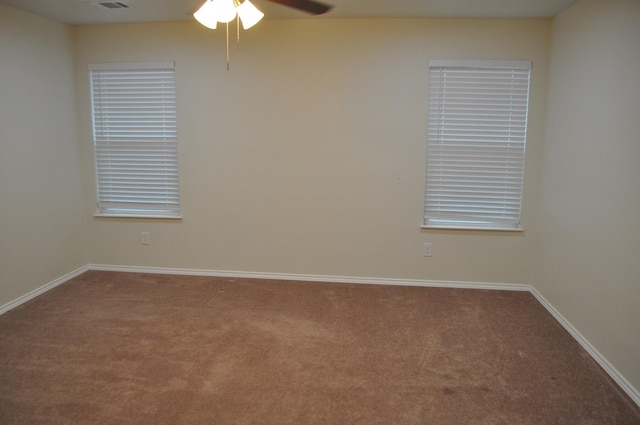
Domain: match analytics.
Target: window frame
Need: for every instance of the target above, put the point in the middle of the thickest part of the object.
(460, 198)
(134, 126)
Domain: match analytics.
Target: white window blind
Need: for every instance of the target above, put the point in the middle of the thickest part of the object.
(136, 147)
(477, 127)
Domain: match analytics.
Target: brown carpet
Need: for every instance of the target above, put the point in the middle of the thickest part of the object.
(125, 348)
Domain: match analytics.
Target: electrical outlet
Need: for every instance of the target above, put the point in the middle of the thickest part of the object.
(427, 249)
(144, 238)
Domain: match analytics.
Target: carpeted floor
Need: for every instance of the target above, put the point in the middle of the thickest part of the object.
(125, 348)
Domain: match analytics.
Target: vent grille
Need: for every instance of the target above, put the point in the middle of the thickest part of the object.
(113, 5)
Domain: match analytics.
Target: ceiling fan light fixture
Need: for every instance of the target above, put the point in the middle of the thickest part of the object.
(206, 15)
(249, 14)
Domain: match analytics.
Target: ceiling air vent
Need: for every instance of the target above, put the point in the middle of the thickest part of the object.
(113, 4)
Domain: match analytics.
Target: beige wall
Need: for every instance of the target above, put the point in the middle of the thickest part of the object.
(43, 232)
(590, 203)
(308, 155)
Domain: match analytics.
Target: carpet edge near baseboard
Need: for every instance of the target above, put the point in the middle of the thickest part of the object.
(626, 386)
(42, 289)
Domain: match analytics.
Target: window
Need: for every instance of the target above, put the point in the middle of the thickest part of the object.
(136, 148)
(477, 127)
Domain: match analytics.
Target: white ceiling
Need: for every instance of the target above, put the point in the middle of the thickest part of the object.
(91, 12)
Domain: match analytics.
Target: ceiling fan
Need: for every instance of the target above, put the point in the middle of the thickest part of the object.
(213, 12)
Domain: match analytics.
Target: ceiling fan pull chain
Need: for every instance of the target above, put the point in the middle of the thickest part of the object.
(238, 31)
(227, 46)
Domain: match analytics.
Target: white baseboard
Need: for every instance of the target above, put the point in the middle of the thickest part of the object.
(601, 360)
(315, 278)
(595, 354)
(41, 290)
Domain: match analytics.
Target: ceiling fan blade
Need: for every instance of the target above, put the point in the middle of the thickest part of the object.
(309, 6)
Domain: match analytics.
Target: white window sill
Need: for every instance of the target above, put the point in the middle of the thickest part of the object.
(454, 227)
(149, 216)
